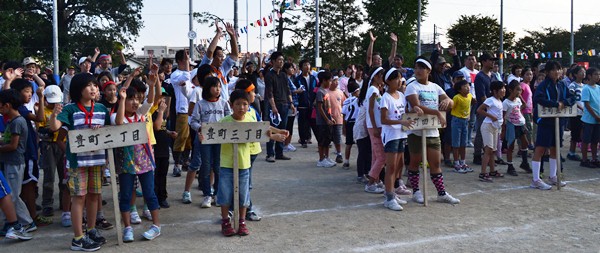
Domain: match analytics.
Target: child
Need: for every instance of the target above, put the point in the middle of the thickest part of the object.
(527, 96)
(575, 125)
(372, 95)
(137, 161)
(591, 118)
(492, 124)
(83, 169)
(393, 106)
(161, 149)
(15, 230)
(514, 125)
(336, 99)
(549, 93)
(12, 159)
(324, 120)
(350, 112)
(212, 108)
(428, 98)
(460, 122)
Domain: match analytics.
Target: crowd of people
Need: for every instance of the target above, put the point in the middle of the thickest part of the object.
(359, 104)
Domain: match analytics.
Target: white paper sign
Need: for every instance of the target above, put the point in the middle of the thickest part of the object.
(552, 112)
(234, 132)
(424, 121)
(107, 137)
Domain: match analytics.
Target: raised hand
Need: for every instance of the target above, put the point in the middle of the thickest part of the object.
(162, 106)
(57, 109)
(137, 71)
(229, 28)
(373, 38)
(219, 30)
(123, 93)
(40, 91)
(393, 37)
(452, 51)
(97, 50)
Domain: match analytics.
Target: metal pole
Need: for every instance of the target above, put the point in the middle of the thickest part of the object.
(434, 28)
(501, 61)
(317, 56)
(260, 36)
(235, 22)
(247, 40)
(192, 54)
(572, 36)
(55, 37)
(419, 29)
(273, 25)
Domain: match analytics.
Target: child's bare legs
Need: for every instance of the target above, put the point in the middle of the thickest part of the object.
(77, 203)
(321, 153)
(584, 151)
(92, 208)
(8, 208)
(126, 217)
(594, 151)
(463, 153)
(488, 160)
(509, 153)
(28, 196)
(189, 179)
(338, 148)
(456, 154)
(391, 160)
(347, 152)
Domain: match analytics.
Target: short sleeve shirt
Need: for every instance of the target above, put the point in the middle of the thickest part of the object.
(243, 149)
(31, 150)
(494, 108)
(462, 106)
(323, 97)
(16, 126)
(429, 96)
(395, 109)
(373, 91)
(513, 111)
(590, 94)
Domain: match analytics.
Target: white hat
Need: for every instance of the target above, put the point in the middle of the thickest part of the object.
(53, 94)
(83, 59)
(29, 60)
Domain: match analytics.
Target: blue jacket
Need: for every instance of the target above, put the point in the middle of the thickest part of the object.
(306, 98)
(547, 95)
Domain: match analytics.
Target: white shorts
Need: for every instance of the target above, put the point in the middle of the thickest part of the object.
(489, 134)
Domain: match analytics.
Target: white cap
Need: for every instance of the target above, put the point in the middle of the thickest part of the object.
(53, 94)
(83, 59)
(29, 60)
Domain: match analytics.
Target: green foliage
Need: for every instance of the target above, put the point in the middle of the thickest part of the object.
(477, 32)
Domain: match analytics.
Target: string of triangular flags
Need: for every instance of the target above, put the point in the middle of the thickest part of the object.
(534, 55)
(275, 14)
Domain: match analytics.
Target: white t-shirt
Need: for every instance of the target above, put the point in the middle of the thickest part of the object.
(513, 111)
(577, 88)
(494, 108)
(196, 95)
(470, 78)
(140, 115)
(395, 108)
(373, 91)
(512, 77)
(429, 96)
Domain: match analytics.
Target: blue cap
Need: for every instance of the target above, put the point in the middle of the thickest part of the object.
(458, 74)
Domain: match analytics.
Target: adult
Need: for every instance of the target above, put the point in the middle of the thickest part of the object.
(215, 56)
(85, 64)
(483, 79)
(343, 80)
(181, 80)
(442, 76)
(308, 83)
(279, 97)
(469, 72)
(104, 63)
(65, 83)
(515, 73)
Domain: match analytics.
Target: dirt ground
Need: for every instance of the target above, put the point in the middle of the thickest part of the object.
(310, 209)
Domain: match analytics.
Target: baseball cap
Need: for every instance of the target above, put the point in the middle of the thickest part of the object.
(164, 92)
(71, 67)
(441, 60)
(458, 74)
(83, 59)
(487, 56)
(29, 60)
(53, 94)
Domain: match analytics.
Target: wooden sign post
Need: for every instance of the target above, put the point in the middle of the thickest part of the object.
(423, 122)
(235, 133)
(107, 138)
(553, 112)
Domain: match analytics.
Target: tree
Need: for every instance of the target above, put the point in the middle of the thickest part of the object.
(392, 16)
(82, 26)
(477, 32)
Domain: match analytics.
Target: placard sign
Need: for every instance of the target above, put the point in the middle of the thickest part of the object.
(107, 137)
(234, 132)
(425, 121)
(552, 112)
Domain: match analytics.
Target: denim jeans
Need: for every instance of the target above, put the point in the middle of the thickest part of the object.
(276, 149)
(225, 193)
(205, 158)
(126, 188)
(459, 132)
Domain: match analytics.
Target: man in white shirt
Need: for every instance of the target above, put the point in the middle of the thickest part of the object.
(216, 58)
(181, 80)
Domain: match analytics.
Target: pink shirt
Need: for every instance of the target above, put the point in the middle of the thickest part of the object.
(527, 96)
(336, 99)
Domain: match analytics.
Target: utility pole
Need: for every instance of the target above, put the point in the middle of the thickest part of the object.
(501, 61)
(55, 37)
(419, 29)
(572, 37)
(191, 33)
(434, 33)
(247, 40)
(317, 56)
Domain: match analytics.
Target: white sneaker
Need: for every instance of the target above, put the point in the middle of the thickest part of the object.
(554, 181)
(392, 205)
(330, 161)
(206, 203)
(291, 147)
(135, 218)
(381, 185)
(448, 199)
(324, 163)
(539, 184)
(373, 188)
(146, 214)
(400, 201)
(418, 197)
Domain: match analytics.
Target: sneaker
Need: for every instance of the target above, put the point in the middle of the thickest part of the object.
(554, 181)
(152, 233)
(226, 228)
(496, 174)
(418, 197)
(511, 171)
(381, 185)
(324, 163)
(330, 161)
(373, 188)
(574, 157)
(467, 168)
(47, 212)
(243, 230)
(362, 180)
(84, 244)
(447, 198)
(291, 148)
(304, 145)
(539, 184)
(339, 159)
(128, 234)
(392, 205)
(530, 147)
(103, 224)
(282, 157)
(135, 218)
(346, 166)
(177, 171)
(186, 197)
(500, 161)
(526, 167)
(485, 177)
(459, 169)
(402, 190)
(470, 144)
(400, 201)
(95, 236)
(66, 220)
(19, 234)
(270, 159)
(146, 214)
(252, 216)
(164, 204)
(206, 202)
(43, 221)
(30, 227)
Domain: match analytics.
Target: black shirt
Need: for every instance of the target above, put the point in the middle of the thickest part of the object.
(277, 87)
(161, 149)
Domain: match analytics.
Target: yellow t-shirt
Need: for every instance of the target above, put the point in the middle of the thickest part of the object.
(255, 148)
(150, 124)
(44, 125)
(462, 106)
(243, 149)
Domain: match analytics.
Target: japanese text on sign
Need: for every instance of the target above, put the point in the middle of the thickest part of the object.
(107, 137)
(234, 132)
(553, 112)
(424, 121)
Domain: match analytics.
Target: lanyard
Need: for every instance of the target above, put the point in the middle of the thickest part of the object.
(88, 115)
(135, 118)
(219, 74)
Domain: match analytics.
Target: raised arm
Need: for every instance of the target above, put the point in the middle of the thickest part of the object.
(213, 44)
(121, 111)
(394, 39)
(370, 49)
(233, 41)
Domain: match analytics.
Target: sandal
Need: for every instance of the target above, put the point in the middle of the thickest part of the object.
(485, 177)
(496, 174)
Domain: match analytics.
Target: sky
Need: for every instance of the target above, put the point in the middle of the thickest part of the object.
(167, 22)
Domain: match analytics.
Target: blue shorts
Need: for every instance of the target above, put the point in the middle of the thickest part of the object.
(459, 132)
(545, 137)
(225, 192)
(4, 186)
(395, 146)
(591, 133)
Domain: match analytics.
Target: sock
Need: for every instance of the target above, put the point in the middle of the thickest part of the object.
(413, 177)
(462, 162)
(438, 181)
(535, 170)
(99, 215)
(78, 237)
(346, 161)
(146, 207)
(552, 167)
(133, 209)
(524, 155)
(389, 196)
(456, 163)
(400, 182)
(509, 163)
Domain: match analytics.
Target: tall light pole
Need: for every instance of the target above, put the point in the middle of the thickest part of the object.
(260, 28)
(191, 34)
(235, 21)
(317, 56)
(55, 37)
(501, 61)
(247, 40)
(419, 29)
(572, 37)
